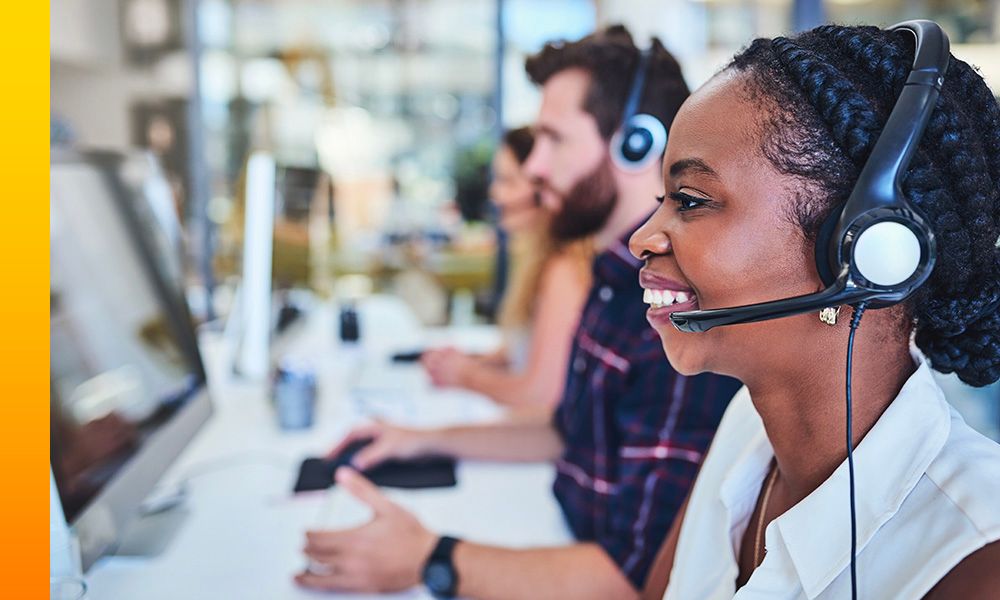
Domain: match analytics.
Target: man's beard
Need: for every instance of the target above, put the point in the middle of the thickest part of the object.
(587, 205)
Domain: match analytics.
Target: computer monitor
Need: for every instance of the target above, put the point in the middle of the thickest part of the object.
(127, 383)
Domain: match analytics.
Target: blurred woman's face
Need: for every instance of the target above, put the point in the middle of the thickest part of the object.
(513, 193)
(723, 237)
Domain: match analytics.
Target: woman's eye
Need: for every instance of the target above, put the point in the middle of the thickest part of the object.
(686, 202)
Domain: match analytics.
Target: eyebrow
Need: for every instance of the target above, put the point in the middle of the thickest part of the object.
(695, 165)
(548, 130)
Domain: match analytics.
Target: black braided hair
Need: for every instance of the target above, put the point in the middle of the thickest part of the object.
(830, 91)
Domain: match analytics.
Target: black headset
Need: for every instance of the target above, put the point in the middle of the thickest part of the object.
(641, 138)
(877, 249)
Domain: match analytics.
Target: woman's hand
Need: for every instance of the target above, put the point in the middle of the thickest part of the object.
(448, 367)
(387, 441)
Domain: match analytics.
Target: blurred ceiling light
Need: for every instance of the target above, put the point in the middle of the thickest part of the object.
(219, 209)
(349, 143)
(373, 37)
(147, 22)
(262, 79)
(444, 106)
(215, 23)
(218, 76)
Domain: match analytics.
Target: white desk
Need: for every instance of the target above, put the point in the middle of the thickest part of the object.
(244, 532)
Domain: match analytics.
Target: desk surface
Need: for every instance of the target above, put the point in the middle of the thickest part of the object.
(244, 531)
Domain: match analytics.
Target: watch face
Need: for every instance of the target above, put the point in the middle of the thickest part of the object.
(438, 578)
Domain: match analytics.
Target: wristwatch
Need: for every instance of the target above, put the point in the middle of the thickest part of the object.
(440, 576)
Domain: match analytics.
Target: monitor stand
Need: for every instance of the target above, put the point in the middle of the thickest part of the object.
(150, 534)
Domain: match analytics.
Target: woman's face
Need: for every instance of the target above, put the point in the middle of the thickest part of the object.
(723, 237)
(513, 193)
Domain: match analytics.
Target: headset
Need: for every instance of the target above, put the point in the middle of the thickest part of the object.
(877, 249)
(642, 138)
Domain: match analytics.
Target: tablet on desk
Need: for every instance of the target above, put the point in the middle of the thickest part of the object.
(419, 473)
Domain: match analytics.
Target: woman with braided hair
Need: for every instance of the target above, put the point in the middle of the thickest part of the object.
(757, 160)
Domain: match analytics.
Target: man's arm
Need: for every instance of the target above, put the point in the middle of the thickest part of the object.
(533, 439)
(526, 436)
(579, 571)
(558, 305)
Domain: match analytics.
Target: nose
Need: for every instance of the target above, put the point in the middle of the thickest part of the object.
(535, 166)
(650, 240)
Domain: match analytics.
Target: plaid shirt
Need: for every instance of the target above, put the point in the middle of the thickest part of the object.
(635, 430)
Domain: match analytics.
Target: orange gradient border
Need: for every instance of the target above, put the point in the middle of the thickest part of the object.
(24, 273)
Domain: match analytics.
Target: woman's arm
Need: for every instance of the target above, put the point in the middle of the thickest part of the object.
(524, 437)
(976, 577)
(562, 293)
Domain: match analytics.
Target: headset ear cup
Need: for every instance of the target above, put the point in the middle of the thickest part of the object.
(640, 141)
(827, 261)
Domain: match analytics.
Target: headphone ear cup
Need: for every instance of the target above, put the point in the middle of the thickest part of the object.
(827, 262)
(640, 140)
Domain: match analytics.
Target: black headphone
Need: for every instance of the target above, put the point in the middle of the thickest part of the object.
(641, 138)
(877, 249)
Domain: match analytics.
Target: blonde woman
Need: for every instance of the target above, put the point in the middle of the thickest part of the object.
(542, 306)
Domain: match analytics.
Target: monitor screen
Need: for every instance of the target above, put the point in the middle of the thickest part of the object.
(121, 360)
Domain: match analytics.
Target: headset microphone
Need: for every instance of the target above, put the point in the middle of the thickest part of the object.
(703, 320)
(877, 249)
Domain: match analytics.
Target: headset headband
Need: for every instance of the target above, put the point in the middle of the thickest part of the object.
(880, 180)
(638, 84)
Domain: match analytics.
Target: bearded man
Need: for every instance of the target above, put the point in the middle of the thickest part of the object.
(629, 432)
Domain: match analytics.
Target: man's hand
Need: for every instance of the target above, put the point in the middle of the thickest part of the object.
(448, 367)
(387, 441)
(385, 555)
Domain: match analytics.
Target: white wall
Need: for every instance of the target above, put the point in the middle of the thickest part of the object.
(92, 87)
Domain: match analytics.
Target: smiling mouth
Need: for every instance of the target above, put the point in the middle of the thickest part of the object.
(665, 298)
(666, 301)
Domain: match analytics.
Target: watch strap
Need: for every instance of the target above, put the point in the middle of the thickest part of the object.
(441, 558)
(443, 549)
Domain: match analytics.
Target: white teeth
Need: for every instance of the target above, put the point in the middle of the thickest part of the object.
(661, 298)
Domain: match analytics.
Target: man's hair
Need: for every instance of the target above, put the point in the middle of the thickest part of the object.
(610, 57)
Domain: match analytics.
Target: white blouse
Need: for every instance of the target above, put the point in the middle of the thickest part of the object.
(928, 495)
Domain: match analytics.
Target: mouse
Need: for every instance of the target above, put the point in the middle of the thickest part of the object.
(344, 458)
(317, 473)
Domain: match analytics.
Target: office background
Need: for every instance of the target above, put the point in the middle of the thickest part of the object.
(382, 117)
